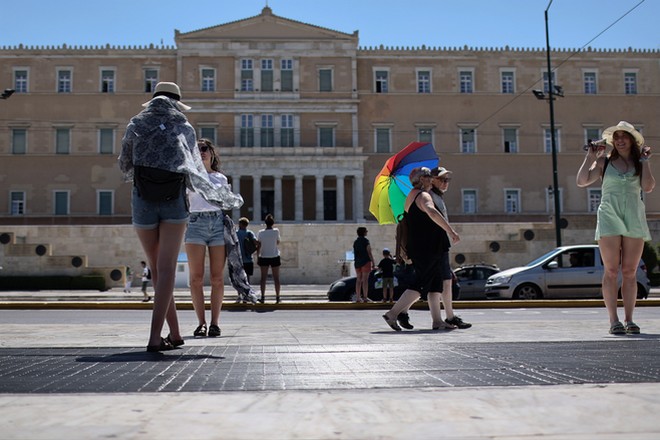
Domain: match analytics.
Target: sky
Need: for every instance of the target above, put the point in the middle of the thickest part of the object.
(573, 24)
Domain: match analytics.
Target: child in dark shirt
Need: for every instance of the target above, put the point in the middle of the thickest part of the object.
(386, 267)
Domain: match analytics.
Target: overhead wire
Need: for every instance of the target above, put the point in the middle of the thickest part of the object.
(560, 64)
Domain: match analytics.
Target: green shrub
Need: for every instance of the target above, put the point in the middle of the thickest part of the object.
(53, 282)
(650, 257)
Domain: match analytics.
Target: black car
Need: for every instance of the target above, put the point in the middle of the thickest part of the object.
(344, 288)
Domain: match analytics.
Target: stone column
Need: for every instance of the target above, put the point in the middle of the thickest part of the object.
(298, 197)
(358, 194)
(341, 212)
(278, 197)
(236, 188)
(319, 198)
(256, 196)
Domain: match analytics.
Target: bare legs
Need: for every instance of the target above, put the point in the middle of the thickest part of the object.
(276, 281)
(196, 256)
(625, 253)
(362, 286)
(162, 246)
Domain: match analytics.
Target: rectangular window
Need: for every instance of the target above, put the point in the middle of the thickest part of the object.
(325, 80)
(381, 81)
(247, 76)
(286, 75)
(594, 195)
(465, 79)
(383, 142)
(247, 131)
(104, 202)
(107, 81)
(507, 82)
(512, 201)
(591, 133)
(64, 81)
(208, 133)
(469, 201)
(425, 135)
(468, 144)
(590, 83)
(266, 75)
(18, 141)
(546, 86)
(150, 80)
(286, 131)
(510, 136)
(61, 202)
(62, 141)
(547, 134)
(326, 137)
(17, 201)
(106, 140)
(630, 83)
(21, 81)
(208, 80)
(423, 81)
(267, 131)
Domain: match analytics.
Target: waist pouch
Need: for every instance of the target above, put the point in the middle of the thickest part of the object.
(156, 185)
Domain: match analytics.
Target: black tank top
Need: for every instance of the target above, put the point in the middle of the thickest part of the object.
(425, 237)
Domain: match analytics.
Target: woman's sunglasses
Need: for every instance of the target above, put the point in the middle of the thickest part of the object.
(204, 148)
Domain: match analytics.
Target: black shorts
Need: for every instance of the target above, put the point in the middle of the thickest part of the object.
(249, 268)
(272, 262)
(428, 275)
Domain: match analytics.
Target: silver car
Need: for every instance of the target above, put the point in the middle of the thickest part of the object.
(565, 272)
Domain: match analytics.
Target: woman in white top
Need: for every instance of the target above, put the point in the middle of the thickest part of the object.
(269, 256)
(206, 230)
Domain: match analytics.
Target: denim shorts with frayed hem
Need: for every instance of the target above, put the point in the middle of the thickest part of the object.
(148, 214)
(206, 229)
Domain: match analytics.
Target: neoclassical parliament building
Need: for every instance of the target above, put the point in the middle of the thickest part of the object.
(305, 118)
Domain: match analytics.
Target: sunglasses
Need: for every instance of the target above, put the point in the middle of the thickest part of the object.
(443, 179)
(204, 149)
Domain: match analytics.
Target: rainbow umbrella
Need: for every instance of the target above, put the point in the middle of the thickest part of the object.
(392, 184)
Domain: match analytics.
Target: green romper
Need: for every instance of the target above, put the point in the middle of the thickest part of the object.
(621, 210)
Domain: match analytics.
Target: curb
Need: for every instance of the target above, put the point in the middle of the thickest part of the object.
(420, 305)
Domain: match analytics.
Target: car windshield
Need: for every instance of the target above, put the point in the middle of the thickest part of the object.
(541, 258)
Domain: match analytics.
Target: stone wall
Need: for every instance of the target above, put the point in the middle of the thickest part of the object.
(314, 253)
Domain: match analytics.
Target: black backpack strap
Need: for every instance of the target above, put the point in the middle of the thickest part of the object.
(607, 162)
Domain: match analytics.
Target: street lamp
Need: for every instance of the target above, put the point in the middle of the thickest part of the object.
(7, 93)
(552, 90)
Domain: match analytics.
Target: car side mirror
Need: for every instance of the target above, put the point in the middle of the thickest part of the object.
(552, 265)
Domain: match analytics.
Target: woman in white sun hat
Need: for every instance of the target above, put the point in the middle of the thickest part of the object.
(621, 228)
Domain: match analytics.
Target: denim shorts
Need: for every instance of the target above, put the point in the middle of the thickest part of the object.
(206, 228)
(148, 214)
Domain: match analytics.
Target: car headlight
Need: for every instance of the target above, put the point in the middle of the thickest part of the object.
(499, 280)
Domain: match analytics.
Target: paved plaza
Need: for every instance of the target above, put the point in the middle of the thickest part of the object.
(518, 373)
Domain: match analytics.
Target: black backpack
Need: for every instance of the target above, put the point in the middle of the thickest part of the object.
(156, 185)
(402, 238)
(249, 244)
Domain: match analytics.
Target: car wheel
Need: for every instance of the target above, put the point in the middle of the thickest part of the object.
(527, 291)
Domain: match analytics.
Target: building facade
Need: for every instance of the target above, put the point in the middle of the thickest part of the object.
(305, 119)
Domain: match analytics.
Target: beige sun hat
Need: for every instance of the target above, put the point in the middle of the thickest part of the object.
(171, 90)
(628, 128)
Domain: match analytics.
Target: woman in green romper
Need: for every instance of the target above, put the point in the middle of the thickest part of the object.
(621, 228)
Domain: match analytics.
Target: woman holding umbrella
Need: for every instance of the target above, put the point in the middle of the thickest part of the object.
(428, 234)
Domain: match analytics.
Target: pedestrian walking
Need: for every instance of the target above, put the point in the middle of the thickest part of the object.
(146, 276)
(386, 267)
(427, 242)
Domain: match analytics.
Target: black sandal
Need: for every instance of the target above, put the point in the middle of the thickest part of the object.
(200, 331)
(174, 343)
(165, 345)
